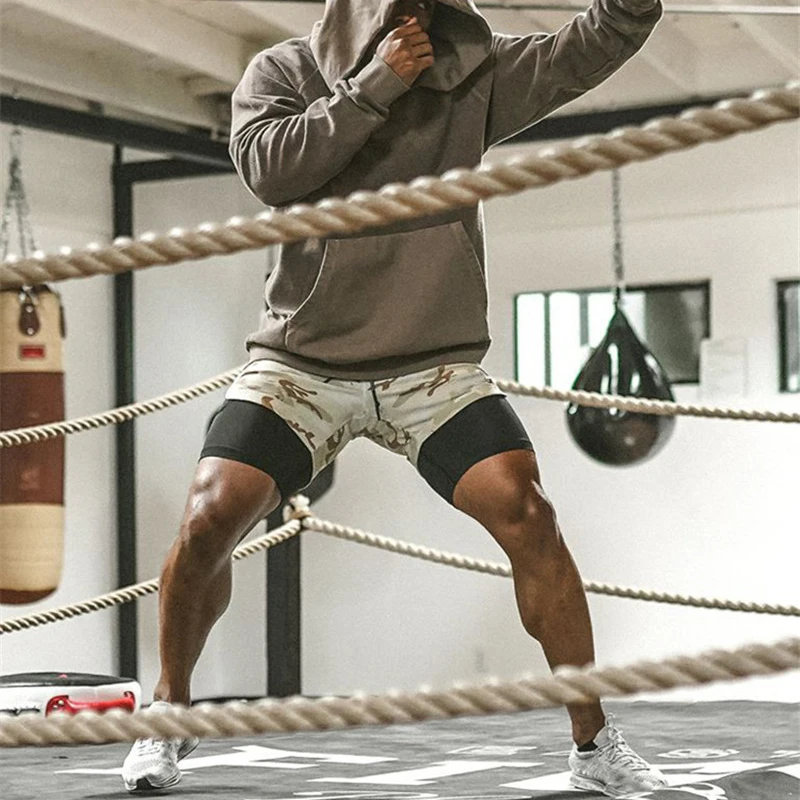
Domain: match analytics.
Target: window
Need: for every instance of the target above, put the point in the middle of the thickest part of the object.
(556, 331)
(789, 332)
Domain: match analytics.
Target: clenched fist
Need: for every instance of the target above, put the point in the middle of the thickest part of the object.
(407, 50)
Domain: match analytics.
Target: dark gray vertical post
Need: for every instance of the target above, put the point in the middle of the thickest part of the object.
(283, 601)
(127, 650)
(283, 615)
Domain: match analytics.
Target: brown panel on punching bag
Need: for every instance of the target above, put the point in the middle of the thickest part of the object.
(31, 476)
(32, 473)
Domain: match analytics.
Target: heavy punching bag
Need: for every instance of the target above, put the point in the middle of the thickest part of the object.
(31, 393)
(32, 485)
(622, 365)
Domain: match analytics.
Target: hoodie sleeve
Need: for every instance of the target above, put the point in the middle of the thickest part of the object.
(535, 74)
(284, 149)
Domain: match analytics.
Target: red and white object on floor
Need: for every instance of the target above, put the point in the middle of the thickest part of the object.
(49, 692)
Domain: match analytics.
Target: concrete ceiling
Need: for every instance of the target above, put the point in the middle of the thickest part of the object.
(176, 61)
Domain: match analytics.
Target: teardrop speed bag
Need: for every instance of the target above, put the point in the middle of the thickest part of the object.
(621, 365)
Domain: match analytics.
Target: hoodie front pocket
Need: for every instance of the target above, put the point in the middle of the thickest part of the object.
(392, 295)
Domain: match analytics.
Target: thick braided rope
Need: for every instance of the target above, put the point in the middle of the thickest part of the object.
(134, 592)
(302, 516)
(503, 570)
(494, 697)
(116, 416)
(427, 195)
(641, 405)
(38, 433)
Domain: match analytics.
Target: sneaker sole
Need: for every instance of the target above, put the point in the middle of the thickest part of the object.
(144, 785)
(588, 785)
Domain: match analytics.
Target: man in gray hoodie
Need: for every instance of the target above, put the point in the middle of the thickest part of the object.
(381, 334)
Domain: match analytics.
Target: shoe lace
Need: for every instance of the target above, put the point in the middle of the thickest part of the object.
(620, 753)
(150, 747)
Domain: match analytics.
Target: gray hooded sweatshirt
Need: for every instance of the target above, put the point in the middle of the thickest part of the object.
(323, 116)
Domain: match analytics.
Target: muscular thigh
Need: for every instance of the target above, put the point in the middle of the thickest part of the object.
(482, 430)
(251, 435)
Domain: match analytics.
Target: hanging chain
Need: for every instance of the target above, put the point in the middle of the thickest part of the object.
(16, 203)
(619, 267)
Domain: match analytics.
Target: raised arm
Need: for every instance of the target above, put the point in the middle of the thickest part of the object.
(536, 74)
(284, 149)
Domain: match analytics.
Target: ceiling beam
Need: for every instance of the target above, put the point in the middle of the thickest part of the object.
(230, 16)
(154, 30)
(672, 55)
(94, 78)
(204, 87)
(770, 34)
(98, 128)
(287, 18)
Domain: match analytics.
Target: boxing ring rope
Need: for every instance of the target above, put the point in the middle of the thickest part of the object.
(567, 685)
(128, 594)
(503, 570)
(644, 405)
(424, 196)
(363, 210)
(640, 405)
(299, 518)
(116, 416)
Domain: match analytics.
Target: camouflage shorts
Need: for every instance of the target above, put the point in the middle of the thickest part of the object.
(396, 413)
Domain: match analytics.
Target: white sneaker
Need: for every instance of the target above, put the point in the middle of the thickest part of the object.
(153, 763)
(613, 769)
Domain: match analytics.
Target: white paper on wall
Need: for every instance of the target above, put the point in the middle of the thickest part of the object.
(723, 368)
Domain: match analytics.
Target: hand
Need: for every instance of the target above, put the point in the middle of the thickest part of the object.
(407, 50)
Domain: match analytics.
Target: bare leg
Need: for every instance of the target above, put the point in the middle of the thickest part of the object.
(504, 494)
(225, 501)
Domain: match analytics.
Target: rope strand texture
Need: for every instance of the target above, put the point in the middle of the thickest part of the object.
(423, 196)
(115, 416)
(303, 520)
(129, 593)
(568, 685)
(641, 405)
(503, 570)
(38, 433)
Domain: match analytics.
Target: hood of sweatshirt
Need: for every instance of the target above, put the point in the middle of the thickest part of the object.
(343, 38)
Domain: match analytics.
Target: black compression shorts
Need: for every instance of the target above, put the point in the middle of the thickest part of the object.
(251, 434)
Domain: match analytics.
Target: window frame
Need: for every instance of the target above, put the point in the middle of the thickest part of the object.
(783, 344)
(702, 285)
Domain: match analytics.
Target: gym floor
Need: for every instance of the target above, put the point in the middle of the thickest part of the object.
(718, 751)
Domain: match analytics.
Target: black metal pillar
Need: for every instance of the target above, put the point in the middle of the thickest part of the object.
(284, 653)
(127, 634)
(283, 615)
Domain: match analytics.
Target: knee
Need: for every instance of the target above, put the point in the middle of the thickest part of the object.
(208, 532)
(525, 523)
(522, 504)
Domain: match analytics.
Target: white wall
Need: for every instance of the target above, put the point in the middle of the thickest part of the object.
(69, 190)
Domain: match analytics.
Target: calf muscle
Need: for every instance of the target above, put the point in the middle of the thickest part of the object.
(504, 494)
(226, 500)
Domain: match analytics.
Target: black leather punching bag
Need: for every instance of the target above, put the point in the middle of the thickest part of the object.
(621, 365)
